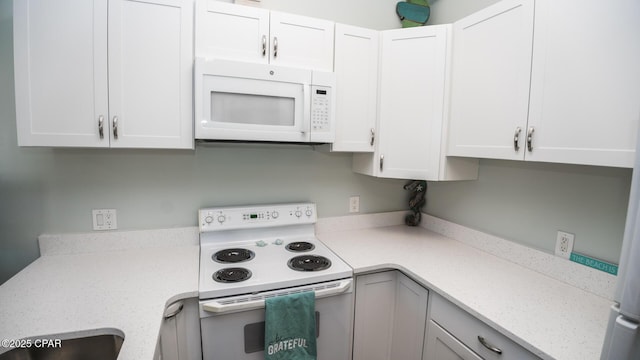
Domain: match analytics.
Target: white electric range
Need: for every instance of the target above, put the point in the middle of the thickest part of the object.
(249, 253)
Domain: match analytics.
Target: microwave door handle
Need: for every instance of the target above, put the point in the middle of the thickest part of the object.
(306, 105)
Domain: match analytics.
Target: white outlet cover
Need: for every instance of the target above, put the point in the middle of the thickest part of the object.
(104, 219)
(354, 204)
(564, 244)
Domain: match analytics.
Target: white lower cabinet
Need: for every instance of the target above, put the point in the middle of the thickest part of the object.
(443, 346)
(455, 334)
(392, 322)
(390, 316)
(179, 337)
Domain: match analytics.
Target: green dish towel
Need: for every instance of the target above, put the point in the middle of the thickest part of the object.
(290, 327)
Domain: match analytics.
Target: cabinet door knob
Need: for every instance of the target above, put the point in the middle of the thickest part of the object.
(516, 139)
(373, 136)
(275, 46)
(381, 162)
(530, 138)
(493, 348)
(101, 126)
(115, 127)
(264, 45)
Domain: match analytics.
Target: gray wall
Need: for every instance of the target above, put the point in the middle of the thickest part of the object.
(54, 190)
(529, 202)
(448, 11)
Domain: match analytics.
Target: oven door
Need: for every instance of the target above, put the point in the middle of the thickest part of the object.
(233, 328)
(251, 102)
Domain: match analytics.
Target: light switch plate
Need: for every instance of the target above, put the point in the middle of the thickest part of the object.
(104, 219)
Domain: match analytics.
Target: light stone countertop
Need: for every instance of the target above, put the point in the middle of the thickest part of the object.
(548, 317)
(81, 293)
(121, 282)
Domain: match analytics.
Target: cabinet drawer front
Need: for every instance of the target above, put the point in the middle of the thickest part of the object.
(467, 329)
(443, 346)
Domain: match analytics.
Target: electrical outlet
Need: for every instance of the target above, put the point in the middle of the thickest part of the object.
(564, 244)
(104, 219)
(354, 204)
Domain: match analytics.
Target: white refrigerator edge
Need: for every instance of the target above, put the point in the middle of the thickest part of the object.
(622, 341)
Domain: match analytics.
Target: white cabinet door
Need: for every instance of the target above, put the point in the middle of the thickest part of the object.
(409, 319)
(229, 31)
(585, 90)
(390, 315)
(356, 69)
(490, 81)
(64, 96)
(373, 323)
(413, 103)
(246, 33)
(150, 73)
(60, 60)
(412, 80)
(441, 345)
(301, 41)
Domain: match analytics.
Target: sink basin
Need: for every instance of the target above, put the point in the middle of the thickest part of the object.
(97, 347)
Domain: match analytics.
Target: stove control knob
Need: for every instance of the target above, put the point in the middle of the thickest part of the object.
(208, 219)
(275, 214)
(308, 212)
(261, 243)
(221, 218)
(278, 242)
(298, 213)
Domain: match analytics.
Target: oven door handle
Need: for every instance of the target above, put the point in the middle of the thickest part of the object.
(241, 303)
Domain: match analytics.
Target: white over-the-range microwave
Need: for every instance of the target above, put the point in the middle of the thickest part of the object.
(241, 101)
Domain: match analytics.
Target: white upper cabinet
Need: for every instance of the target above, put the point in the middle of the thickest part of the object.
(60, 64)
(229, 31)
(413, 99)
(490, 81)
(301, 41)
(356, 69)
(252, 34)
(562, 88)
(75, 88)
(150, 73)
(585, 87)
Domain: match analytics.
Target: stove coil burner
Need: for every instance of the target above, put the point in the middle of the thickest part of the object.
(231, 275)
(300, 246)
(309, 263)
(233, 255)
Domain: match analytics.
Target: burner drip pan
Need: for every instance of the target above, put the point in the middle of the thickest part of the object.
(300, 246)
(309, 263)
(232, 275)
(234, 255)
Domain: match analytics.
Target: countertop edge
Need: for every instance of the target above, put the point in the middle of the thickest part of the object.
(431, 287)
(417, 252)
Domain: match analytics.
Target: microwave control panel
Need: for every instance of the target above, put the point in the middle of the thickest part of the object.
(320, 109)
